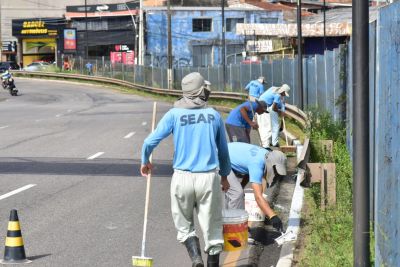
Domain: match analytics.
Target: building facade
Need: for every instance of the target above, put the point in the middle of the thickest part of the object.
(21, 9)
(196, 33)
(38, 39)
(103, 30)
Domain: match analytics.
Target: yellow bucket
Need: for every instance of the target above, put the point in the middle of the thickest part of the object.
(235, 229)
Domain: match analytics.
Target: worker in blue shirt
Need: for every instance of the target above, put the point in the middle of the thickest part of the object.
(89, 68)
(240, 120)
(269, 126)
(200, 150)
(252, 163)
(255, 88)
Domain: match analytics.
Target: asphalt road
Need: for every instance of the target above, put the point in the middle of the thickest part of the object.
(78, 147)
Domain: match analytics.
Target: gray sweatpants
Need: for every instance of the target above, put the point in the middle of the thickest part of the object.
(234, 197)
(200, 191)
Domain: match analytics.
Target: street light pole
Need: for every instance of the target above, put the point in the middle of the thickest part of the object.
(86, 32)
(361, 223)
(141, 33)
(324, 10)
(223, 45)
(169, 48)
(135, 36)
(1, 39)
(299, 56)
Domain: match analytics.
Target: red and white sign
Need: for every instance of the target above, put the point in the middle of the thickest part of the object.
(69, 39)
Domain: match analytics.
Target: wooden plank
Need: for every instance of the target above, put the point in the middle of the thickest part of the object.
(314, 172)
(330, 182)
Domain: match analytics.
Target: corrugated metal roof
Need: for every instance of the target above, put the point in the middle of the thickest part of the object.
(338, 23)
(337, 15)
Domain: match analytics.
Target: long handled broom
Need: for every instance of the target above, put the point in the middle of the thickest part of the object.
(254, 117)
(284, 129)
(143, 261)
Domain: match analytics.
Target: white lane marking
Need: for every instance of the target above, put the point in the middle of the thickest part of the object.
(16, 191)
(58, 115)
(3, 127)
(129, 135)
(38, 120)
(69, 110)
(144, 123)
(98, 154)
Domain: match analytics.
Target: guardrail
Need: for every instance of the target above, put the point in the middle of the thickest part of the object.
(291, 110)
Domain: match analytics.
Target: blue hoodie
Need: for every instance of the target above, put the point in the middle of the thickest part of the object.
(199, 139)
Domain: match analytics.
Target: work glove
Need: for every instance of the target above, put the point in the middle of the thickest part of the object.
(276, 222)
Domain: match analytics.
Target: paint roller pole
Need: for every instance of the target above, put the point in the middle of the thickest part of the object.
(143, 261)
(284, 130)
(254, 118)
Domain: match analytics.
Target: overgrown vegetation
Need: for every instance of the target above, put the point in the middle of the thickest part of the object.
(328, 235)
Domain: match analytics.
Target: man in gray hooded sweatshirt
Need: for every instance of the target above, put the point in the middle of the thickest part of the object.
(201, 165)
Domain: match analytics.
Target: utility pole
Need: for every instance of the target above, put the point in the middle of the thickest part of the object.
(141, 33)
(135, 34)
(324, 10)
(1, 39)
(86, 33)
(169, 48)
(299, 55)
(223, 45)
(361, 226)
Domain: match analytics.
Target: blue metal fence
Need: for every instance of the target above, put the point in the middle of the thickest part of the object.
(387, 137)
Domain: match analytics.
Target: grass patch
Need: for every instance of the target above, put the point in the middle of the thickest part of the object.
(328, 235)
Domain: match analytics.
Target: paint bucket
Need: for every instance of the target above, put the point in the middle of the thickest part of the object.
(251, 206)
(235, 229)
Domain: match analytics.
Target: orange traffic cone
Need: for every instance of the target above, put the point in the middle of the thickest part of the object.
(14, 252)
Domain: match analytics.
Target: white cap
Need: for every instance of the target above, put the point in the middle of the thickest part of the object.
(284, 89)
(261, 79)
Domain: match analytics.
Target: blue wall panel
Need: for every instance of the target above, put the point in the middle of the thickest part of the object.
(320, 80)
(387, 137)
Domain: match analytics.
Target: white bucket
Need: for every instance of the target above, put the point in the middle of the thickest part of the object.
(251, 206)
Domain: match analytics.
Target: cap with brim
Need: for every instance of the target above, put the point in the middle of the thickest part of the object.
(284, 89)
(275, 158)
(261, 79)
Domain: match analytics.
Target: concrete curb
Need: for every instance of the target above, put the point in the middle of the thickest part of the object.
(287, 250)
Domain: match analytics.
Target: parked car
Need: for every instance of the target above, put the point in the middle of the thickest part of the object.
(8, 65)
(37, 66)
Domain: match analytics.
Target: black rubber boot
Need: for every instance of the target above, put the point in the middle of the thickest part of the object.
(213, 260)
(193, 247)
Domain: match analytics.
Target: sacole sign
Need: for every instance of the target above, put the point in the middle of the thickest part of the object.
(33, 27)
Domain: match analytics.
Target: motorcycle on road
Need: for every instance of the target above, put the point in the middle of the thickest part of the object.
(7, 81)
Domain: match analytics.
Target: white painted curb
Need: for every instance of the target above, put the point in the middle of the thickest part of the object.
(286, 255)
